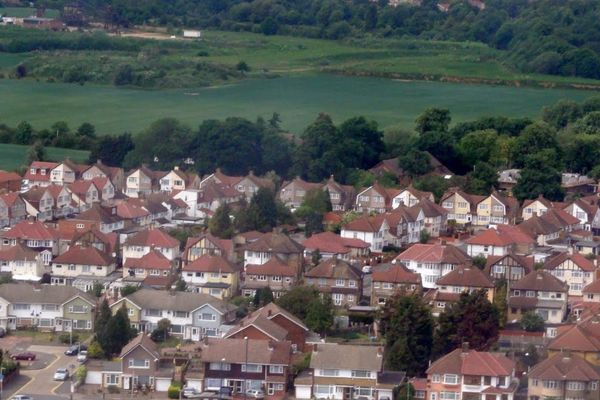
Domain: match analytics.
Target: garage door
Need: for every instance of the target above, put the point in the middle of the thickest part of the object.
(93, 378)
(162, 384)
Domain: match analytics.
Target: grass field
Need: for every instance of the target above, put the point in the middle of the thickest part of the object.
(13, 156)
(298, 99)
(22, 12)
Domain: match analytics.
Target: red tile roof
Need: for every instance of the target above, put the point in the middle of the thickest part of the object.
(326, 242)
(18, 252)
(273, 267)
(153, 238)
(208, 263)
(80, 255)
(333, 268)
(434, 253)
(467, 277)
(540, 281)
(502, 235)
(128, 210)
(10, 198)
(561, 367)
(9, 176)
(471, 362)
(152, 260)
(395, 273)
(81, 187)
(576, 258)
(34, 230)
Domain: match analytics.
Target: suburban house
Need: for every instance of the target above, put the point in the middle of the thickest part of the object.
(497, 209)
(38, 174)
(574, 269)
(410, 196)
(213, 275)
(192, 315)
(329, 244)
(84, 193)
(176, 179)
(196, 247)
(100, 170)
(66, 172)
(563, 376)
(10, 181)
(249, 185)
(48, 202)
(80, 261)
(372, 230)
(23, 263)
(338, 279)
(509, 267)
(144, 241)
(244, 364)
(436, 217)
(152, 264)
(450, 286)
(470, 374)
(390, 279)
(538, 292)
(580, 339)
(35, 235)
(106, 189)
(342, 197)
(292, 193)
(541, 230)
(274, 244)
(12, 209)
(274, 274)
(406, 224)
(499, 241)
(432, 261)
(461, 207)
(141, 366)
(584, 211)
(341, 372)
(45, 307)
(104, 218)
(539, 207)
(272, 322)
(142, 181)
(133, 213)
(375, 198)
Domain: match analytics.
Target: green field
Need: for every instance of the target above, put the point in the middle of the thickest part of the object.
(13, 156)
(298, 99)
(22, 12)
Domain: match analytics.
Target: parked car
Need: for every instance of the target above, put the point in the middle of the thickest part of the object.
(2, 332)
(73, 350)
(225, 391)
(21, 397)
(367, 269)
(191, 393)
(82, 356)
(255, 393)
(61, 374)
(26, 355)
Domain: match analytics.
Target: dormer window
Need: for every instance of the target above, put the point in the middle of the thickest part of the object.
(32, 171)
(43, 171)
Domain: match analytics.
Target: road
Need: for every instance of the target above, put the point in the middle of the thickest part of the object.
(41, 384)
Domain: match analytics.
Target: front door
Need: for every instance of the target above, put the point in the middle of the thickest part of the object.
(195, 334)
(347, 393)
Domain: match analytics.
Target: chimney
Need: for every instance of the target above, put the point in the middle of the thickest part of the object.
(251, 173)
(269, 312)
(465, 347)
(570, 250)
(379, 352)
(315, 348)
(206, 340)
(176, 168)
(271, 345)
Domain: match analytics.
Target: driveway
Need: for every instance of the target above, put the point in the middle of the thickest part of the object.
(41, 383)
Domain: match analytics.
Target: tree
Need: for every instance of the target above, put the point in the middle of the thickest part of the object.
(242, 66)
(539, 177)
(95, 350)
(406, 391)
(111, 150)
(500, 295)
(262, 297)
(161, 333)
(582, 152)
(535, 138)
(371, 17)
(532, 322)
(477, 146)
(362, 143)
(471, 319)
(482, 180)
(316, 203)
(220, 224)
(440, 144)
(433, 120)
(37, 152)
(128, 289)
(21, 71)
(424, 236)
(319, 317)
(102, 318)
(315, 258)
(180, 285)
(118, 332)
(261, 214)
(296, 300)
(407, 324)
(589, 124)
(124, 76)
(561, 113)
(24, 133)
(415, 163)
(97, 289)
(269, 26)
(86, 130)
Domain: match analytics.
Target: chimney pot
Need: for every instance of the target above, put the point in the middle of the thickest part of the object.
(269, 313)
(315, 348)
(379, 352)
(465, 347)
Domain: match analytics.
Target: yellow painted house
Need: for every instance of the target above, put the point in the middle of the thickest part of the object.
(496, 209)
(461, 206)
(212, 275)
(581, 339)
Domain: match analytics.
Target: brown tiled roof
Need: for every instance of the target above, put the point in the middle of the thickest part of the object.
(275, 243)
(272, 310)
(333, 268)
(273, 267)
(6, 176)
(80, 255)
(263, 324)
(225, 245)
(326, 242)
(430, 209)
(560, 367)
(578, 337)
(41, 294)
(153, 238)
(144, 341)
(234, 351)
(365, 224)
(471, 362)
(34, 230)
(81, 187)
(593, 287)
(226, 179)
(502, 235)
(560, 217)
(10, 198)
(176, 301)
(99, 214)
(526, 262)
(18, 252)
(129, 210)
(578, 259)
(348, 357)
(540, 281)
(535, 226)
(153, 260)
(395, 273)
(466, 276)
(208, 263)
(434, 253)
(472, 199)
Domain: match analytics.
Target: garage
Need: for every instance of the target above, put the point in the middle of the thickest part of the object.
(162, 384)
(194, 383)
(93, 378)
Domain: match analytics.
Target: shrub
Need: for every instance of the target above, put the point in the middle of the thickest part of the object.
(81, 373)
(95, 350)
(112, 389)
(67, 338)
(174, 389)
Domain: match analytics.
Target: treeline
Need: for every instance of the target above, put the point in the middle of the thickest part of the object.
(542, 36)
(566, 139)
